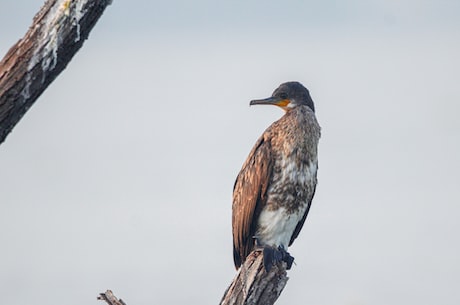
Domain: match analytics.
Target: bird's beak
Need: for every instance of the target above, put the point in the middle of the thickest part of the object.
(277, 101)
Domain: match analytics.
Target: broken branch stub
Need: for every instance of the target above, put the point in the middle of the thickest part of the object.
(56, 34)
(253, 285)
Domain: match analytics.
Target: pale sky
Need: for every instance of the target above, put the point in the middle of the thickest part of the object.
(120, 176)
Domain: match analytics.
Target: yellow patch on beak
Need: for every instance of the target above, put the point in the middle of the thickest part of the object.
(283, 103)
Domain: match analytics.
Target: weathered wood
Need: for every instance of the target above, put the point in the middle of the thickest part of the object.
(56, 34)
(252, 285)
(110, 298)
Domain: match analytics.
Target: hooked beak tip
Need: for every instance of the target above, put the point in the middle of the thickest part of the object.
(270, 101)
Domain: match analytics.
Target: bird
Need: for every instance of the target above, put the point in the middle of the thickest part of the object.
(273, 191)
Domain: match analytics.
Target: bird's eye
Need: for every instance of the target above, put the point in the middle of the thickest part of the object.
(283, 95)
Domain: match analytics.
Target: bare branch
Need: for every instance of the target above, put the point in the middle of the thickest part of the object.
(252, 285)
(56, 34)
(110, 298)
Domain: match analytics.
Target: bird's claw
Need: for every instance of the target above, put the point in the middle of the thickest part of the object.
(274, 255)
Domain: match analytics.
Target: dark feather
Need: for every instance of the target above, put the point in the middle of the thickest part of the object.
(249, 196)
(302, 221)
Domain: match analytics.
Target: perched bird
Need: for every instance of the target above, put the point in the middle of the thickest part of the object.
(274, 189)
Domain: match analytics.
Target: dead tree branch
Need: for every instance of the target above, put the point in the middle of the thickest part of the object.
(110, 298)
(252, 285)
(56, 34)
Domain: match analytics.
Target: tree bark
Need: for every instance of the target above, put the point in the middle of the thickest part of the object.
(252, 285)
(56, 34)
(110, 298)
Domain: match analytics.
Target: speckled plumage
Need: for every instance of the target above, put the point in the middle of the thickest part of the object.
(273, 191)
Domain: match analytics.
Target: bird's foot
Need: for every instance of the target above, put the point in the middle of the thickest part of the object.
(286, 257)
(273, 255)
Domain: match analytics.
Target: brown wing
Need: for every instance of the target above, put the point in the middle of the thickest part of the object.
(249, 196)
(302, 221)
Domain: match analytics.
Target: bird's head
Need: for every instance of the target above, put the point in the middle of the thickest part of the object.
(288, 96)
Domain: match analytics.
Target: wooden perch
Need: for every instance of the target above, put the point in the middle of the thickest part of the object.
(56, 34)
(110, 298)
(252, 285)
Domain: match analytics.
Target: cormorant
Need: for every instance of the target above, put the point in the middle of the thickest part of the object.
(274, 189)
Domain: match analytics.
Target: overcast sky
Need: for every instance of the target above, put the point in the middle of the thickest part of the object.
(120, 176)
